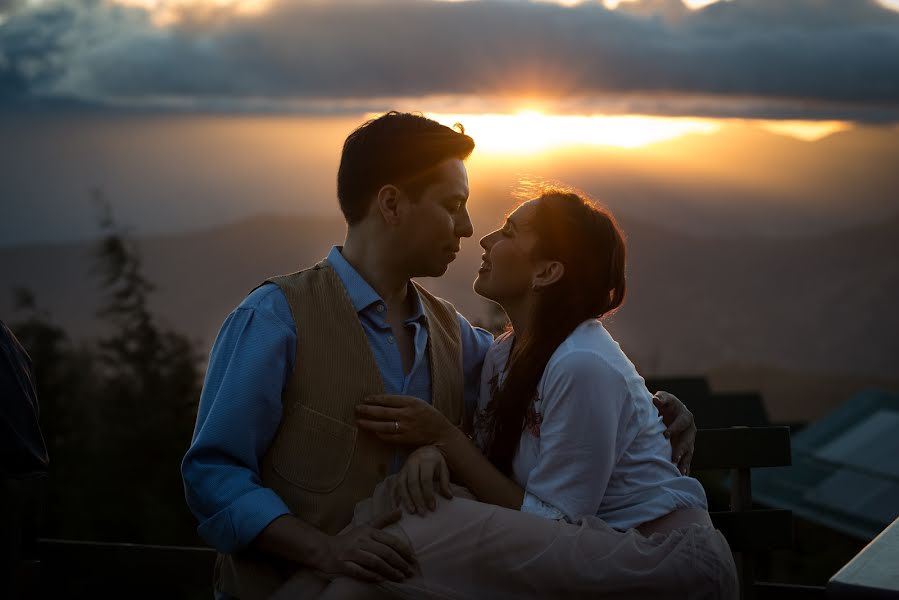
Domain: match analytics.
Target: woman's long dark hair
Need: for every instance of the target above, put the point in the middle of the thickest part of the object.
(588, 242)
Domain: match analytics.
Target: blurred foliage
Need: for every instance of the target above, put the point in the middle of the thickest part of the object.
(117, 411)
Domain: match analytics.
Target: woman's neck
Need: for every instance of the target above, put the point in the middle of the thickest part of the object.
(520, 313)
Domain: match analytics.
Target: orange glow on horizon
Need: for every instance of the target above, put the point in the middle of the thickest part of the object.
(530, 132)
(807, 131)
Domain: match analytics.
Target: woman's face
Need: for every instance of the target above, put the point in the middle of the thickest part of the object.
(507, 270)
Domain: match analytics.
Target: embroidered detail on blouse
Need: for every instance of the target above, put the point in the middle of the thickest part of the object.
(533, 419)
(484, 418)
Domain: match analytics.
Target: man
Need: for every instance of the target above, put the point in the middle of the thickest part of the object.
(277, 464)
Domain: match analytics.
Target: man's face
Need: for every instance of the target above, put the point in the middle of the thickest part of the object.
(437, 220)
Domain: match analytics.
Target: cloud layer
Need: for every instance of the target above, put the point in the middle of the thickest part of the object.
(817, 51)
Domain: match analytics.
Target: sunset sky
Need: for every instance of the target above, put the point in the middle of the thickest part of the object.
(755, 117)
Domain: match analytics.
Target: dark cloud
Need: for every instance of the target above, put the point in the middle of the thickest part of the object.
(835, 51)
(8, 6)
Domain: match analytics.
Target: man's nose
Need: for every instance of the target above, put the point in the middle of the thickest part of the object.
(464, 228)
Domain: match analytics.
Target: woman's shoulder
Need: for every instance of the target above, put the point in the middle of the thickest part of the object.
(592, 357)
(589, 347)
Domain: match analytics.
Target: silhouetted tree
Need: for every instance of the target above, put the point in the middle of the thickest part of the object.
(117, 411)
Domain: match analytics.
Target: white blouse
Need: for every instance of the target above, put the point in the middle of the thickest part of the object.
(593, 444)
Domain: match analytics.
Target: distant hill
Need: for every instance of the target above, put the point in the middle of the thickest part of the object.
(823, 305)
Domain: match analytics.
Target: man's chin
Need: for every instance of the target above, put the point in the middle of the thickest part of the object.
(439, 270)
(431, 271)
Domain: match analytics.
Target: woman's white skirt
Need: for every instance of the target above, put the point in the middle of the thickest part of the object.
(470, 550)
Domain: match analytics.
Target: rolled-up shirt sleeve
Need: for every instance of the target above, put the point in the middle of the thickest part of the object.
(585, 408)
(238, 416)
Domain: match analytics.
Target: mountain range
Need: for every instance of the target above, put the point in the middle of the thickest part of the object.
(821, 308)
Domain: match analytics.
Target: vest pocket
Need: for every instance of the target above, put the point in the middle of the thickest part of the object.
(314, 452)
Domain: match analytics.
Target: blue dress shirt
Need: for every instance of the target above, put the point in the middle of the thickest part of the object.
(240, 405)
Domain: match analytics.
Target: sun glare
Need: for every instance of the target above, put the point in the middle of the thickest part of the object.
(807, 131)
(691, 4)
(167, 12)
(529, 132)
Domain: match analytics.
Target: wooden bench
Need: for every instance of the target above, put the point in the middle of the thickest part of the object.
(75, 569)
(751, 531)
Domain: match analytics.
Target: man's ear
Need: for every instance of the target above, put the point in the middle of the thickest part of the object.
(548, 272)
(388, 204)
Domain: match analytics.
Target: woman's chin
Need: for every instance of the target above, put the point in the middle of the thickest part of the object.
(480, 288)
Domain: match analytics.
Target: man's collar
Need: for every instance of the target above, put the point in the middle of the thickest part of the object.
(361, 294)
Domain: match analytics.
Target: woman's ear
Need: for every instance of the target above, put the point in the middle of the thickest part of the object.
(547, 273)
(388, 205)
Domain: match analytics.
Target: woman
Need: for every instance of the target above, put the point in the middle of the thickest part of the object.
(576, 494)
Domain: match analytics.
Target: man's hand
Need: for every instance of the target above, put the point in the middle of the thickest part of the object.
(423, 473)
(681, 429)
(403, 420)
(367, 553)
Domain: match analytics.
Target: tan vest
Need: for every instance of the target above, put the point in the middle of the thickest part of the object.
(319, 463)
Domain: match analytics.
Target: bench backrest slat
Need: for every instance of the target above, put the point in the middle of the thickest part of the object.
(742, 448)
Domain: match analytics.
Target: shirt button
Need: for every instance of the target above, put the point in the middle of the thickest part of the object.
(390, 339)
(381, 308)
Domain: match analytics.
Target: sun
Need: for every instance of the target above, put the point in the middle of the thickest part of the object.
(531, 131)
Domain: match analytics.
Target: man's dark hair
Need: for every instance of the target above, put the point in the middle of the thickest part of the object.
(396, 148)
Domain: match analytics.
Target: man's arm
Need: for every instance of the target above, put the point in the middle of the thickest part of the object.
(238, 416)
(475, 343)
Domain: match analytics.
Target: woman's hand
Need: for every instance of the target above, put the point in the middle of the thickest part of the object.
(424, 473)
(681, 429)
(403, 420)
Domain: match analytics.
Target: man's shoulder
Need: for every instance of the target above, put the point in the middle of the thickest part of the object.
(272, 289)
(297, 277)
(268, 300)
(263, 296)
